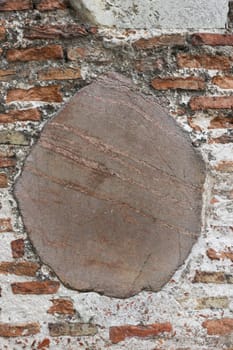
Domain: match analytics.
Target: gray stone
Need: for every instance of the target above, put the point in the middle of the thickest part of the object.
(157, 14)
(111, 194)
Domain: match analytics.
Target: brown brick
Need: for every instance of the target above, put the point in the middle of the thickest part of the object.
(5, 225)
(212, 303)
(51, 52)
(225, 82)
(76, 53)
(67, 31)
(40, 93)
(62, 307)
(71, 329)
(7, 162)
(190, 83)
(44, 344)
(204, 61)
(17, 248)
(225, 166)
(7, 74)
(213, 255)
(15, 5)
(3, 180)
(221, 122)
(119, 333)
(212, 39)
(60, 74)
(223, 139)
(147, 65)
(44, 287)
(24, 268)
(223, 326)
(210, 277)
(48, 5)
(13, 116)
(162, 40)
(211, 102)
(2, 32)
(19, 330)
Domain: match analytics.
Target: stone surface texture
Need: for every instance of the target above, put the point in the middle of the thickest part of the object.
(162, 14)
(106, 203)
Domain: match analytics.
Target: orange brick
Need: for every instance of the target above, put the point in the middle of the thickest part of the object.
(3, 180)
(5, 225)
(20, 116)
(62, 307)
(223, 326)
(15, 5)
(44, 287)
(225, 82)
(204, 61)
(24, 268)
(19, 330)
(17, 248)
(40, 93)
(190, 83)
(51, 52)
(48, 5)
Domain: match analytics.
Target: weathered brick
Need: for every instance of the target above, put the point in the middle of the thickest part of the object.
(62, 307)
(211, 102)
(119, 333)
(212, 277)
(45, 5)
(213, 255)
(3, 180)
(5, 225)
(162, 40)
(15, 5)
(225, 82)
(212, 303)
(7, 162)
(212, 39)
(221, 122)
(19, 330)
(189, 83)
(22, 268)
(13, 116)
(71, 329)
(50, 52)
(39, 93)
(2, 32)
(17, 248)
(221, 139)
(147, 65)
(204, 61)
(225, 166)
(67, 31)
(60, 74)
(7, 74)
(44, 344)
(223, 326)
(14, 138)
(76, 53)
(41, 287)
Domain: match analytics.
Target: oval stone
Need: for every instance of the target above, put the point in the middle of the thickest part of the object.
(111, 194)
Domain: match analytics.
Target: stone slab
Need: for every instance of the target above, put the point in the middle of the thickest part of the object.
(156, 14)
(111, 194)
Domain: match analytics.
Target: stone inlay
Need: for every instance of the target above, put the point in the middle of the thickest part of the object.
(155, 14)
(111, 194)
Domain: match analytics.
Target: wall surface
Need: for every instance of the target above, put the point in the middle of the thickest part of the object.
(46, 56)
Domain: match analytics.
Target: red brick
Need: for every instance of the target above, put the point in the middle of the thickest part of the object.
(119, 333)
(48, 5)
(44, 287)
(15, 5)
(225, 82)
(62, 307)
(19, 330)
(204, 61)
(7, 74)
(213, 255)
(163, 40)
(51, 52)
(20, 116)
(2, 32)
(223, 326)
(223, 139)
(221, 122)
(211, 102)
(7, 162)
(40, 93)
(60, 74)
(44, 344)
(190, 83)
(17, 248)
(210, 277)
(225, 166)
(5, 225)
(67, 31)
(212, 39)
(24, 268)
(3, 180)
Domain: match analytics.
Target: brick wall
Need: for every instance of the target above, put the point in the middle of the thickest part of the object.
(46, 56)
